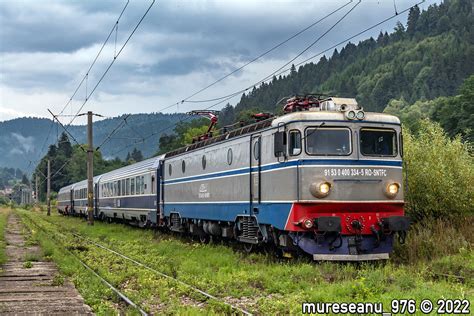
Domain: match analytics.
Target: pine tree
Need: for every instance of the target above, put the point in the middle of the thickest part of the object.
(136, 155)
(25, 181)
(413, 17)
(64, 145)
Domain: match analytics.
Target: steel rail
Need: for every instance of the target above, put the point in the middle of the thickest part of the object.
(209, 296)
(125, 298)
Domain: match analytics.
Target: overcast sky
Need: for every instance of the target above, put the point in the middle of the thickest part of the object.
(46, 48)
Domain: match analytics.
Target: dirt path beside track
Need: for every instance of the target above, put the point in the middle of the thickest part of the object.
(31, 286)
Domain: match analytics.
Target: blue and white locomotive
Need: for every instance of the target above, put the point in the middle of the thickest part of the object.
(325, 178)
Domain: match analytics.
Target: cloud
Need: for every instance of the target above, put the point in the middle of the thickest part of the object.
(26, 144)
(181, 46)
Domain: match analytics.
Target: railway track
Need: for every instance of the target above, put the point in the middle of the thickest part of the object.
(207, 295)
(122, 296)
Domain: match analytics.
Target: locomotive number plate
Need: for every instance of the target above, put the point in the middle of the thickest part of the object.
(355, 172)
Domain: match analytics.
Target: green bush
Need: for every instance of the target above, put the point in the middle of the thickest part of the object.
(4, 200)
(440, 174)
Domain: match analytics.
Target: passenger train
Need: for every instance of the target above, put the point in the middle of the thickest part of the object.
(325, 178)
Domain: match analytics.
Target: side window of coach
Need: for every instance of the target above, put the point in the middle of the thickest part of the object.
(294, 144)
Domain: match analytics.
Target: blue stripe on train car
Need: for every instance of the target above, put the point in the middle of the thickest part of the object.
(274, 214)
(132, 201)
(306, 162)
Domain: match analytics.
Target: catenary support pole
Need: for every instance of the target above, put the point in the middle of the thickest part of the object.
(48, 190)
(36, 191)
(90, 171)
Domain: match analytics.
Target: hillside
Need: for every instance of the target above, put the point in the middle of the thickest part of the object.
(429, 57)
(23, 139)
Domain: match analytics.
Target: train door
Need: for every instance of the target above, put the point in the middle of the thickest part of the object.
(96, 200)
(255, 172)
(161, 192)
(71, 202)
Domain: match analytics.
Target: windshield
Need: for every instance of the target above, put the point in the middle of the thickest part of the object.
(378, 142)
(328, 141)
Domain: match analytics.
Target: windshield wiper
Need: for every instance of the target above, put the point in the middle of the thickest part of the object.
(312, 132)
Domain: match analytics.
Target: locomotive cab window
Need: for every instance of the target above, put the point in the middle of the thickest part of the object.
(378, 142)
(328, 141)
(294, 143)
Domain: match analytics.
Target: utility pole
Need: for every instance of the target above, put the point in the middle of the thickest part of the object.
(90, 172)
(48, 190)
(36, 191)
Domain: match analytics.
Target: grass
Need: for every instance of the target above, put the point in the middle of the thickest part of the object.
(58, 280)
(3, 224)
(95, 293)
(436, 262)
(33, 257)
(27, 265)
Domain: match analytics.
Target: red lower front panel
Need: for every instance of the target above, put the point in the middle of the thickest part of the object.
(366, 214)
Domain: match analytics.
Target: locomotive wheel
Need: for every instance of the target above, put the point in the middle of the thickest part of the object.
(248, 247)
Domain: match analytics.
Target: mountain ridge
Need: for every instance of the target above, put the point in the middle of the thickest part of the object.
(25, 140)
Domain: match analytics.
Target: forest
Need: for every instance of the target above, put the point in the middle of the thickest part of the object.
(428, 58)
(421, 71)
(68, 164)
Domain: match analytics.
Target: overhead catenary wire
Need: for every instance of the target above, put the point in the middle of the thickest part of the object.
(220, 79)
(266, 52)
(107, 138)
(85, 77)
(358, 34)
(228, 97)
(112, 62)
(286, 64)
(57, 171)
(66, 130)
(32, 162)
(256, 58)
(134, 130)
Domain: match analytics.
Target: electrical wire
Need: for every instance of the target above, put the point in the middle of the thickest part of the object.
(266, 52)
(66, 130)
(355, 35)
(107, 138)
(112, 62)
(218, 80)
(95, 59)
(286, 64)
(84, 78)
(228, 97)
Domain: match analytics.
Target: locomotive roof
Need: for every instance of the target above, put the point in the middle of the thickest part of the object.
(372, 117)
(312, 115)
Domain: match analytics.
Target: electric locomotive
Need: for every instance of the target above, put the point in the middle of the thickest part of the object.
(325, 178)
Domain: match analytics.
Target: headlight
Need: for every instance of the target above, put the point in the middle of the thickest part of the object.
(392, 190)
(324, 188)
(320, 189)
(351, 115)
(360, 115)
(307, 223)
